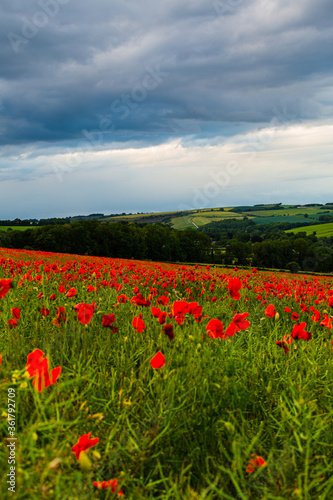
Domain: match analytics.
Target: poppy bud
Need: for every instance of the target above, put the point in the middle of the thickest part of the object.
(230, 428)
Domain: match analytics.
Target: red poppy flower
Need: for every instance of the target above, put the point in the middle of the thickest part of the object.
(62, 289)
(241, 322)
(230, 331)
(234, 286)
(255, 462)
(45, 311)
(156, 311)
(287, 309)
(84, 312)
(12, 323)
(294, 316)
(214, 329)
(108, 320)
(195, 309)
(138, 323)
(16, 312)
(83, 444)
(40, 295)
(330, 301)
(71, 292)
(162, 300)
(157, 361)
(139, 300)
(52, 297)
(270, 311)
(38, 367)
(122, 299)
(168, 330)
(327, 322)
(112, 484)
(286, 339)
(61, 316)
(299, 332)
(179, 309)
(5, 286)
(162, 317)
(316, 316)
(91, 288)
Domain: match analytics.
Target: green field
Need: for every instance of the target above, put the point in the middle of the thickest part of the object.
(118, 372)
(182, 223)
(16, 228)
(322, 212)
(287, 211)
(281, 218)
(321, 230)
(202, 217)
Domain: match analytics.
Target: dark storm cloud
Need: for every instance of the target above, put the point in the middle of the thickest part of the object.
(159, 69)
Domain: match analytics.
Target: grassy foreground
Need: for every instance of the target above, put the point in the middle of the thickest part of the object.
(186, 430)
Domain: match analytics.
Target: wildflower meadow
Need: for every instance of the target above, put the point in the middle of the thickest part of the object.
(145, 380)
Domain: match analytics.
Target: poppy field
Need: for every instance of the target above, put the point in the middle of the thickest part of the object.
(144, 380)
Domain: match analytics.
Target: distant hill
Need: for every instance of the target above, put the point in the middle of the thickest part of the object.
(311, 213)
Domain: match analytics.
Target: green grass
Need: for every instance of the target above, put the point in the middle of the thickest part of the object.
(182, 223)
(187, 430)
(321, 230)
(17, 228)
(202, 221)
(201, 218)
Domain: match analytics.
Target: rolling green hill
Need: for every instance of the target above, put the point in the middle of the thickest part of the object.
(321, 230)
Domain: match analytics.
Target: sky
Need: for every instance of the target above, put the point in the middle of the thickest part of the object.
(144, 105)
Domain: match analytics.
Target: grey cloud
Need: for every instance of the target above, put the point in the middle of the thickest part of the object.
(221, 69)
(85, 71)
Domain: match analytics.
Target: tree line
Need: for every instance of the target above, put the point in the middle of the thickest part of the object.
(244, 243)
(235, 242)
(118, 240)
